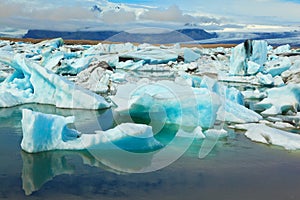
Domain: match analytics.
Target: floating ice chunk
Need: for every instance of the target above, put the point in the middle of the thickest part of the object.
(296, 64)
(293, 74)
(168, 102)
(233, 112)
(196, 133)
(274, 119)
(74, 66)
(32, 83)
(283, 125)
(292, 119)
(120, 48)
(153, 55)
(259, 51)
(193, 66)
(278, 81)
(267, 135)
(254, 51)
(219, 133)
(227, 93)
(102, 49)
(95, 79)
(265, 79)
(118, 77)
(234, 95)
(254, 94)
(130, 65)
(253, 68)
(190, 55)
(281, 100)
(237, 60)
(208, 83)
(282, 49)
(52, 61)
(192, 80)
(45, 132)
(279, 66)
(54, 43)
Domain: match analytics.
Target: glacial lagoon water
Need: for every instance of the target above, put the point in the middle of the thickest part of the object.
(236, 168)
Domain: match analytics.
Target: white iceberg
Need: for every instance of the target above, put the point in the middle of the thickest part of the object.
(281, 100)
(95, 79)
(130, 65)
(282, 49)
(152, 55)
(219, 133)
(103, 49)
(196, 133)
(45, 132)
(233, 112)
(279, 66)
(278, 82)
(254, 94)
(253, 68)
(265, 79)
(293, 74)
(32, 83)
(267, 135)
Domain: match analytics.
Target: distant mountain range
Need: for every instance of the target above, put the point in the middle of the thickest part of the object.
(189, 35)
(182, 35)
(67, 35)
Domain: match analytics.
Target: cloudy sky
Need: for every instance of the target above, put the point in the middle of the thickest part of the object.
(129, 14)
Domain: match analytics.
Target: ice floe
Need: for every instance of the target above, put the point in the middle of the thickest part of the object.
(45, 132)
(267, 135)
(281, 100)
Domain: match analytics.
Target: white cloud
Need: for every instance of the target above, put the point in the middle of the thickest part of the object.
(76, 14)
(118, 17)
(174, 14)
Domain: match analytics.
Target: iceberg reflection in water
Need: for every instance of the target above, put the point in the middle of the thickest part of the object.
(42, 167)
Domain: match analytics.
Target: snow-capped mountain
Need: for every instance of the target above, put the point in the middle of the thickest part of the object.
(102, 6)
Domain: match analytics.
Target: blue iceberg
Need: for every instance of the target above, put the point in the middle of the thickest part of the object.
(179, 103)
(32, 83)
(190, 55)
(45, 132)
(279, 66)
(168, 102)
(254, 51)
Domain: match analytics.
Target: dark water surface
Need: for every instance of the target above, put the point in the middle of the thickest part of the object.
(236, 169)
